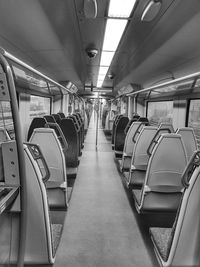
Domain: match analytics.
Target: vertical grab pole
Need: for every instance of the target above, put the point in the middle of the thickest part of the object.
(21, 159)
(97, 124)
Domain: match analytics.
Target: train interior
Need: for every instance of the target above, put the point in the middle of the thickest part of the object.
(100, 133)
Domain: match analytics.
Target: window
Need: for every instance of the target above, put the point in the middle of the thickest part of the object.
(158, 112)
(39, 106)
(70, 106)
(194, 118)
(6, 120)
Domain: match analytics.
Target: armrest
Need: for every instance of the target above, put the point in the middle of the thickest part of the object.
(163, 189)
(55, 184)
(138, 168)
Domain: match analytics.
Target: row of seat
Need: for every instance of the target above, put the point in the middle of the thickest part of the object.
(121, 126)
(153, 171)
(72, 127)
(161, 167)
(47, 189)
(179, 245)
(61, 146)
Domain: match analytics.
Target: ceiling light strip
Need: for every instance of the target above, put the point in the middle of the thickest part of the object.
(121, 9)
(119, 13)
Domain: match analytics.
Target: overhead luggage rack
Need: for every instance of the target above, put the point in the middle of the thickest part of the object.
(186, 84)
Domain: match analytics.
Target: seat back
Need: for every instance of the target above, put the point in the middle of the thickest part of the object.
(80, 117)
(183, 250)
(39, 237)
(78, 129)
(129, 125)
(163, 128)
(37, 122)
(162, 187)
(144, 120)
(57, 118)
(76, 122)
(136, 116)
(116, 120)
(80, 122)
(50, 118)
(140, 157)
(129, 145)
(134, 130)
(52, 151)
(119, 137)
(59, 135)
(68, 128)
(189, 140)
(51, 148)
(62, 115)
(186, 241)
(164, 125)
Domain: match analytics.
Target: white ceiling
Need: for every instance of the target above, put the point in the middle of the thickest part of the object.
(52, 36)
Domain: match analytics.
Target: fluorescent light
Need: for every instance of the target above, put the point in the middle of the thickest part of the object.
(121, 8)
(99, 83)
(106, 58)
(113, 33)
(103, 70)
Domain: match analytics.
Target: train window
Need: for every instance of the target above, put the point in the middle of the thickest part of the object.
(194, 118)
(39, 106)
(158, 112)
(70, 108)
(6, 120)
(76, 105)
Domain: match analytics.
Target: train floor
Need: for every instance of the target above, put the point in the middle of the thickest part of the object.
(101, 228)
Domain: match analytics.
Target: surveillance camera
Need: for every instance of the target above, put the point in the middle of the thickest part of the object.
(92, 52)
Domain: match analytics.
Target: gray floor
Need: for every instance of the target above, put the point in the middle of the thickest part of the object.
(100, 227)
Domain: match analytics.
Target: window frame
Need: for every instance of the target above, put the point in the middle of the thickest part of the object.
(147, 105)
(42, 96)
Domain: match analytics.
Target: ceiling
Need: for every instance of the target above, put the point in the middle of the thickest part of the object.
(52, 36)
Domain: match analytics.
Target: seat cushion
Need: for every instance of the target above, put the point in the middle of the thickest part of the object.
(137, 195)
(126, 164)
(162, 239)
(137, 178)
(126, 176)
(56, 235)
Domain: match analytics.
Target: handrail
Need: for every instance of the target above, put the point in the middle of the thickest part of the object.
(21, 159)
(138, 131)
(23, 64)
(154, 141)
(190, 76)
(191, 166)
(59, 134)
(128, 127)
(37, 155)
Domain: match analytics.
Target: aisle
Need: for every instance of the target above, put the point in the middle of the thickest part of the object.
(100, 228)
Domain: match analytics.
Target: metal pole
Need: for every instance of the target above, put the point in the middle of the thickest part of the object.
(97, 121)
(21, 159)
(21, 63)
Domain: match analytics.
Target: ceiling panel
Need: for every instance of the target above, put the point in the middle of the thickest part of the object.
(53, 36)
(170, 32)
